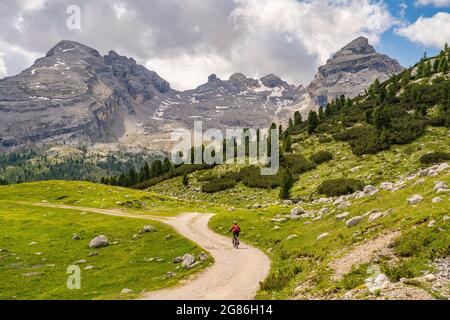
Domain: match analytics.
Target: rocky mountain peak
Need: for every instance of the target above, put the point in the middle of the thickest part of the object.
(66, 47)
(350, 71)
(358, 46)
(239, 77)
(213, 77)
(272, 81)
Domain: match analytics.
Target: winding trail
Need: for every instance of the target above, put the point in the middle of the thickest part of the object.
(235, 274)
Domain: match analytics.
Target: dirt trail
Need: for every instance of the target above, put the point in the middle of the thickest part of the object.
(361, 254)
(235, 274)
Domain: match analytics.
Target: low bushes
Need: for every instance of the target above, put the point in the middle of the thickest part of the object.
(278, 280)
(297, 163)
(340, 187)
(434, 157)
(218, 184)
(252, 178)
(321, 157)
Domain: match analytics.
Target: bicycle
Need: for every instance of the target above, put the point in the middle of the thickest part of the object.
(235, 241)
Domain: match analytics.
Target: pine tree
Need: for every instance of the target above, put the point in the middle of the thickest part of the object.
(381, 118)
(321, 114)
(420, 69)
(156, 169)
(286, 185)
(144, 174)
(436, 63)
(167, 166)
(313, 122)
(290, 124)
(287, 144)
(297, 118)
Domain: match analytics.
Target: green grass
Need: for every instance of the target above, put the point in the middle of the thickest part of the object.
(117, 266)
(86, 194)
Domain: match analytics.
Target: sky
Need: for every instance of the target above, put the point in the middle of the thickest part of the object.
(186, 40)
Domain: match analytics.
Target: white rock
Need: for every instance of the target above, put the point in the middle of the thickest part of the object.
(292, 236)
(354, 221)
(370, 190)
(323, 211)
(446, 218)
(342, 216)
(440, 185)
(442, 167)
(126, 291)
(148, 228)
(436, 200)
(415, 199)
(296, 212)
(387, 185)
(440, 191)
(432, 224)
(323, 235)
(80, 262)
(100, 241)
(188, 259)
(429, 277)
(377, 283)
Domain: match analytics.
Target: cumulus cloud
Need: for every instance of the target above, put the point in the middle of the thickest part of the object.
(433, 31)
(185, 41)
(436, 3)
(3, 71)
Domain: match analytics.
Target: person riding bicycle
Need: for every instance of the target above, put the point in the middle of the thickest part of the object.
(235, 229)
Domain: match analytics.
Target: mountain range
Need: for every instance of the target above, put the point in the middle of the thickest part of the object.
(74, 95)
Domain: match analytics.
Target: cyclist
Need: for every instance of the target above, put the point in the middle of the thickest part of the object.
(235, 229)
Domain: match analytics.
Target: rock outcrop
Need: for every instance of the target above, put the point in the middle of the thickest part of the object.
(351, 71)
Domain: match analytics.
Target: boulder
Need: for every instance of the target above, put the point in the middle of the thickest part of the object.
(432, 224)
(446, 218)
(342, 216)
(377, 215)
(441, 191)
(148, 228)
(323, 211)
(98, 242)
(379, 282)
(353, 221)
(188, 259)
(415, 199)
(126, 291)
(203, 256)
(387, 185)
(323, 235)
(370, 190)
(440, 185)
(436, 200)
(177, 260)
(442, 167)
(296, 212)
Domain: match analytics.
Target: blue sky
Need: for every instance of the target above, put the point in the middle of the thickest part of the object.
(399, 47)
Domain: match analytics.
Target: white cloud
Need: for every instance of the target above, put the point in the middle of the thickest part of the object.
(32, 4)
(185, 41)
(3, 71)
(434, 31)
(436, 3)
(286, 37)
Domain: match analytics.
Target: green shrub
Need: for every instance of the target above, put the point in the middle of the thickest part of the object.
(252, 178)
(321, 157)
(278, 280)
(339, 187)
(354, 278)
(325, 139)
(403, 270)
(434, 157)
(218, 184)
(297, 163)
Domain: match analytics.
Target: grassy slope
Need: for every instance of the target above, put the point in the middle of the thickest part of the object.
(115, 268)
(304, 256)
(96, 196)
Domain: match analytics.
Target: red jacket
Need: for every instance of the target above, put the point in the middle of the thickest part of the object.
(235, 229)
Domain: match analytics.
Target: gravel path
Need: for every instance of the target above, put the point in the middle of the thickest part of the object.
(235, 274)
